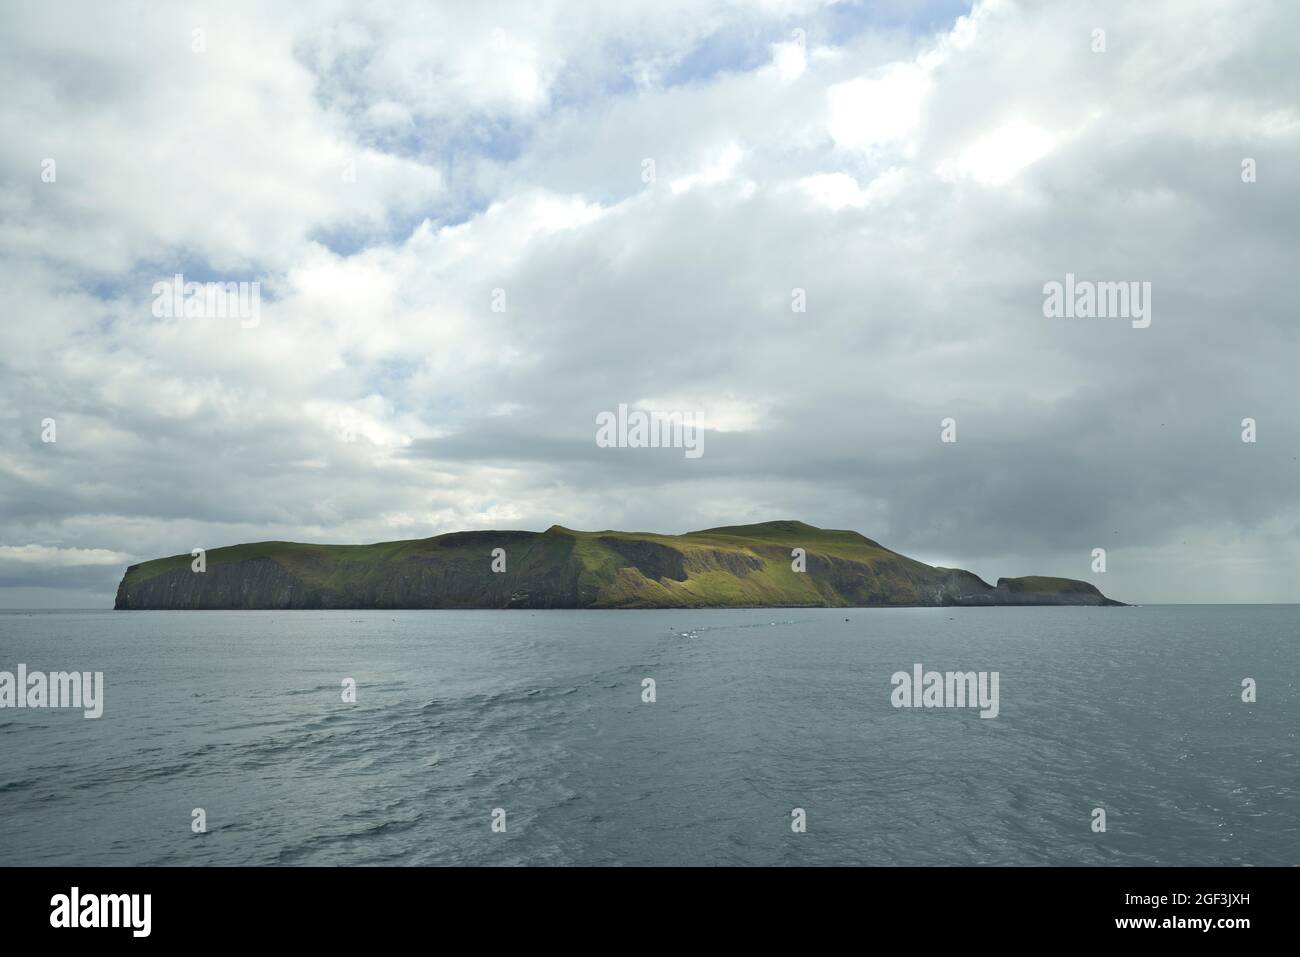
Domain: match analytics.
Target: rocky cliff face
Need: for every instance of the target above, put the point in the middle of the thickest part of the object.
(745, 566)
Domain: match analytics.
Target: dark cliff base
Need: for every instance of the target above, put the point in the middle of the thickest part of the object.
(734, 567)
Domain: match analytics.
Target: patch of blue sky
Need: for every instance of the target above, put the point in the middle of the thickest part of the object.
(345, 241)
(452, 209)
(743, 49)
(841, 22)
(722, 52)
(136, 286)
(460, 155)
(436, 141)
(388, 378)
(381, 374)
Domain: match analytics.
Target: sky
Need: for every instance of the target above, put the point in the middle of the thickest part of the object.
(826, 229)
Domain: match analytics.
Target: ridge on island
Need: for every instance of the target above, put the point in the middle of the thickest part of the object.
(729, 567)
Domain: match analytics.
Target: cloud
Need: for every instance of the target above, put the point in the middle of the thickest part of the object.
(870, 111)
(997, 156)
(62, 557)
(439, 331)
(165, 153)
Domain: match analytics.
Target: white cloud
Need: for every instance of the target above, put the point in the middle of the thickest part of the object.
(790, 59)
(718, 413)
(720, 167)
(61, 557)
(173, 154)
(834, 190)
(871, 111)
(996, 157)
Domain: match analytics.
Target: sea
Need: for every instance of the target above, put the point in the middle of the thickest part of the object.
(1154, 735)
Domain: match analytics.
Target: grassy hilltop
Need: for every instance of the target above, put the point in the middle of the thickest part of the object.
(728, 567)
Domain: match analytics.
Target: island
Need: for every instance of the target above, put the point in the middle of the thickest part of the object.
(784, 564)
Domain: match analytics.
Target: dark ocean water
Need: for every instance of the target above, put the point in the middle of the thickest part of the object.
(1134, 710)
